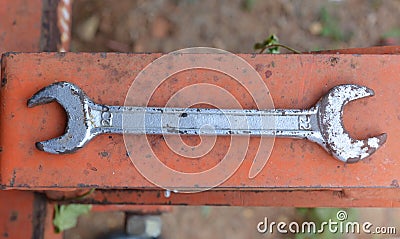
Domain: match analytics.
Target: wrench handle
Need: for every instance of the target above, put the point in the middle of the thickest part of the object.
(195, 121)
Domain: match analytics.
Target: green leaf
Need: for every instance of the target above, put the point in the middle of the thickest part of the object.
(66, 216)
(271, 40)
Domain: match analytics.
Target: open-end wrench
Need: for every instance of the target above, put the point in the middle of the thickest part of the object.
(321, 124)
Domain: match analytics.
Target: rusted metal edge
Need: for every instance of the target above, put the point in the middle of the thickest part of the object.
(56, 187)
(3, 80)
(367, 50)
(136, 209)
(356, 197)
(50, 37)
(39, 215)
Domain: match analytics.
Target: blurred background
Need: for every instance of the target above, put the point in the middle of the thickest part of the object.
(235, 26)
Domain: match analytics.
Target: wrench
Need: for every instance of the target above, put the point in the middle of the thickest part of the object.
(321, 124)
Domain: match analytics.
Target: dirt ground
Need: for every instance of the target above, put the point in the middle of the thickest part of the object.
(232, 25)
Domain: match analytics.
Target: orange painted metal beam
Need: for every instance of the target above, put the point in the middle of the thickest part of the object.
(19, 211)
(20, 25)
(30, 26)
(295, 81)
(25, 215)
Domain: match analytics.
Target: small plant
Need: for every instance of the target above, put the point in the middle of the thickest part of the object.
(271, 44)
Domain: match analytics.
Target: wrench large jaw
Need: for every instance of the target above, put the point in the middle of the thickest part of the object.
(336, 139)
(73, 100)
